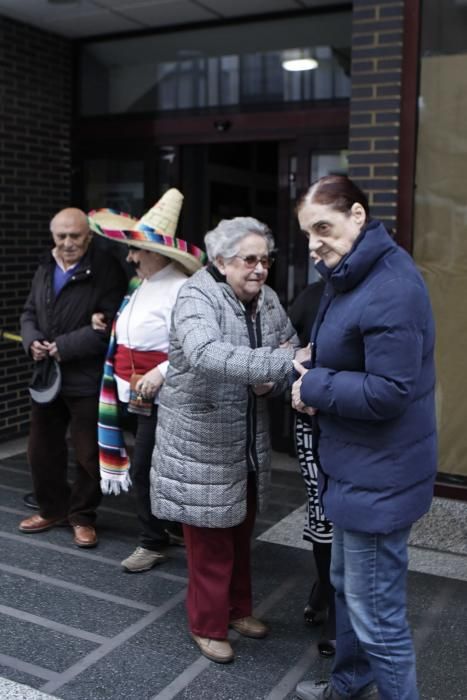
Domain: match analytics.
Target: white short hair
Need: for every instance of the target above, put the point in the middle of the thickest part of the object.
(224, 240)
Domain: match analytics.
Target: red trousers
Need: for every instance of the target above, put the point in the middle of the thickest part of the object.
(219, 585)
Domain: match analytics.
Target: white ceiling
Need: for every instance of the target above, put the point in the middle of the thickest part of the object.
(83, 18)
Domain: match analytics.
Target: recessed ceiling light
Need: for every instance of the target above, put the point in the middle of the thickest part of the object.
(298, 64)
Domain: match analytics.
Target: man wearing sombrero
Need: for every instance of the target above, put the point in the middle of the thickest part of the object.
(137, 360)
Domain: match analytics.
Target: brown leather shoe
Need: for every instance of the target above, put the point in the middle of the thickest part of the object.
(36, 523)
(250, 627)
(85, 536)
(218, 650)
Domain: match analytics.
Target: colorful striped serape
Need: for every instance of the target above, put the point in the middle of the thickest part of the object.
(114, 462)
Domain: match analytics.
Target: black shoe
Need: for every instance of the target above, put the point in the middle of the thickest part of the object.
(327, 647)
(316, 610)
(327, 641)
(30, 501)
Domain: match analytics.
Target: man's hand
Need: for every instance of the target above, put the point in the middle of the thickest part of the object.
(297, 402)
(39, 350)
(98, 321)
(150, 383)
(53, 351)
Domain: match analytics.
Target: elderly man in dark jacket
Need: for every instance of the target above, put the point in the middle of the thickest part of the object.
(73, 281)
(370, 390)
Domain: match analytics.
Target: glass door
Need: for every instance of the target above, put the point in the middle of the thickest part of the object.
(115, 184)
(301, 163)
(129, 183)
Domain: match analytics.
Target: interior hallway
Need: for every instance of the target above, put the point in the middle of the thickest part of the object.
(74, 626)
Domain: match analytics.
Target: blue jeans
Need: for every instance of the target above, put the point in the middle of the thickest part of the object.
(373, 641)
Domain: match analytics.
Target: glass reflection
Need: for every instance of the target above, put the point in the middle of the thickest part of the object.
(223, 66)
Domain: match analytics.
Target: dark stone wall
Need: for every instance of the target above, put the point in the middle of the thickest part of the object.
(35, 124)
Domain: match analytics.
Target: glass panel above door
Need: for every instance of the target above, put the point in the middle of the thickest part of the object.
(234, 65)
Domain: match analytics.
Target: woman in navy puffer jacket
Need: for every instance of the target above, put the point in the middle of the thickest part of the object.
(370, 390)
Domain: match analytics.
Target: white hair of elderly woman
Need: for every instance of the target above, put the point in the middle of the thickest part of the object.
(225, 239)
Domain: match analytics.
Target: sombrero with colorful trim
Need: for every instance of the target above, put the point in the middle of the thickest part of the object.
(155, 231)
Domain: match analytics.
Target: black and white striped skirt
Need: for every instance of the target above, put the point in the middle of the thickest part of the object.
(317, 528)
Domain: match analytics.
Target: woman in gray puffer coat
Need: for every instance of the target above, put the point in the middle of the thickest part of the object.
(231, 345)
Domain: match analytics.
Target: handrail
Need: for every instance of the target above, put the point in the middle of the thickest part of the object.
(5, 335)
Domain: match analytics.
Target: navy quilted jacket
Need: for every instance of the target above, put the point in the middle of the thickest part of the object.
(373, 382)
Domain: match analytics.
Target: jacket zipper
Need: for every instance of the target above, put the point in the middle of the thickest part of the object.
(255, 341)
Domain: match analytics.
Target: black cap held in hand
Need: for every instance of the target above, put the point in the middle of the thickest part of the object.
(46, 381)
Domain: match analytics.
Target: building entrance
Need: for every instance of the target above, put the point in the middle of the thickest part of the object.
(235, 171)
(260, 178)
(224, 180)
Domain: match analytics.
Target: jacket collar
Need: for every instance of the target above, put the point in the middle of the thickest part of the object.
(372, 243)
(85, 263)
(216, 273)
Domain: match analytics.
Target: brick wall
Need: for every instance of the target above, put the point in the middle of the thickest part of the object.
(377, 48)
(35, 113)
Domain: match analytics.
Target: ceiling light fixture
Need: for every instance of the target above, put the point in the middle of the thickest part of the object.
(299, 64)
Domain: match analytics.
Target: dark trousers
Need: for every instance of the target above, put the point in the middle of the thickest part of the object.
(48, 458)
(153, 531)
(219, 584)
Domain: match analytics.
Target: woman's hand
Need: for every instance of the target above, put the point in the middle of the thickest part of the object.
(98, 321)
(297, 402)
(150, 383)
(303, 354)
(261, 389)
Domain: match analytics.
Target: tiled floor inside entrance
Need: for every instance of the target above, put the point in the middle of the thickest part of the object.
(74, 626)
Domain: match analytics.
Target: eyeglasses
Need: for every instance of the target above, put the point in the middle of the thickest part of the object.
(252, 261)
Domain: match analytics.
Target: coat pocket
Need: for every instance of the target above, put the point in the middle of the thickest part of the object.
(198, 409)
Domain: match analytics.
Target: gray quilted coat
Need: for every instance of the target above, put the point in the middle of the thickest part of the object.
(199, 467)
